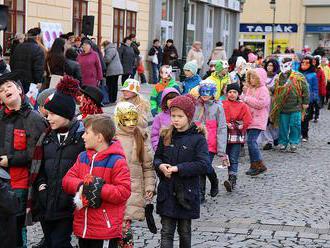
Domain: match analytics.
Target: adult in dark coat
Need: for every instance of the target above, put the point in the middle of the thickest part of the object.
(72, 67)
(127, 58)
(170, 54)
(156, 49)
(8, 208)
(29, 60)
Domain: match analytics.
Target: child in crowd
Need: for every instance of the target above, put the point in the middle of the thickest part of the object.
(291, 98)
(269, 137)
(238, 118)
(41, 99)
(256, 96)
(100, 179)
(138, 153)
(326, 69)
(163, 119)
(166, 81)
(8, 209)
(131, 93)
(180, 159)
(238, 75)
(220, 77)
(210, 114)
(211, 69)
(90, 101)
(20, 128)
(308, 70)
(60, 147)
(322, 83)
(192, 78)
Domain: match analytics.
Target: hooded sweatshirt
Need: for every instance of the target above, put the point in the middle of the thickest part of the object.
(162, 120)
(220, 82)
(258, 101)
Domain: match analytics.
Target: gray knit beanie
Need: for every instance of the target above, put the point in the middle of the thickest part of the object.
(44, 95)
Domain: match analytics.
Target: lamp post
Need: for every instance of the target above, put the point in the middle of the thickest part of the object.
(184, 38)
(272, 4)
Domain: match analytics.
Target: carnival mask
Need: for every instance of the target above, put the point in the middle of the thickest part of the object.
(166, 72)
(286, 67)
(126, 114)
(207, 89)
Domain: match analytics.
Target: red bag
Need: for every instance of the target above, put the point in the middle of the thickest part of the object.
(20, 140)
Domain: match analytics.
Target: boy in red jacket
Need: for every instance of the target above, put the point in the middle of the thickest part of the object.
(238, 118)
(101, 181)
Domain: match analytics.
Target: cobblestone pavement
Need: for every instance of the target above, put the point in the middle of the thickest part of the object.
(288, 206)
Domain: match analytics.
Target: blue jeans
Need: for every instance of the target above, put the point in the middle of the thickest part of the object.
(233, 151)
(290, 128)
(155, 73)
(254, 152)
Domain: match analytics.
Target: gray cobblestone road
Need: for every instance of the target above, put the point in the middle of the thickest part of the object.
(289, 206)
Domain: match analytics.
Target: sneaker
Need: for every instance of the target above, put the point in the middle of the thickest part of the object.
(304, 139)
(282, 147)
(293, 148)
(316, 120)
(267, 147)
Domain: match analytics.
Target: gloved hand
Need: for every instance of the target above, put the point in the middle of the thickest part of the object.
(149, 208)
(91, 192)
(42, 198)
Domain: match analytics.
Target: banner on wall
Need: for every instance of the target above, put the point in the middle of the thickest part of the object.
(50, 31)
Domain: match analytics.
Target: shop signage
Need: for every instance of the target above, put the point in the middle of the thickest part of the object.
(268, 28)
(317, 28)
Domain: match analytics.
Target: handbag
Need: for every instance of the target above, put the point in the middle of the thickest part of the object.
(54, 79)
(153, 58)
(104, 88)
(235, 135)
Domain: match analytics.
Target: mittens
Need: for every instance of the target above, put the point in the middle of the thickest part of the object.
(91, 193)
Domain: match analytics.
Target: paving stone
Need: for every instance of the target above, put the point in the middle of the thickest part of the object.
(308, 235)
(285, 234)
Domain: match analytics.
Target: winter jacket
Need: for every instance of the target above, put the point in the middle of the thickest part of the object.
(57, 160)
(197, 55)
(212, 115)
(143, 177)
(156, 95)
(218, 53)
(159, 52)
(72, 68)
(127, 58)
(91, 68)
(258, 100)
(220, 82)
(188, 151)
(20, 132)
(106, 221)
(161, 120)
(190, 83)
(29, 59)
(112, 60)
(326, 70)
(322, 82)
(237, 111)
(8, 207)
(170, 56)
(313, 86)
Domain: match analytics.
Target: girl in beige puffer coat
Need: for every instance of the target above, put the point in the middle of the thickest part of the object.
(137, 146)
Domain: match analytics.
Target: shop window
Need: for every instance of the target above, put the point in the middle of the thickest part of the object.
(79, 10)
(210, 18)
(16, 22)
(167, 21)
(130, 23)
(191, 27)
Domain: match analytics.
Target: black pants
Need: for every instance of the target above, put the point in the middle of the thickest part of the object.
(168, 230)
(112, 83)
(124, 77)
(58, 233)
(95, 243)
(313, 108)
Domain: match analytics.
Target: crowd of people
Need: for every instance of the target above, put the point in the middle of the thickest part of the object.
(81, 171)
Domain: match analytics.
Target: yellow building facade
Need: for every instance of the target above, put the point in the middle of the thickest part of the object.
(298, 24)
(119, 18)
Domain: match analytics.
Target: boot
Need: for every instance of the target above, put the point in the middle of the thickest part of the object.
(202, 180)
(230, 183)
(259, 169)
(252, 169)
(213, 178)
(41, 244)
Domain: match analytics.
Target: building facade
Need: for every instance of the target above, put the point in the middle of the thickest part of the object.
(118, 18)
(298, 24)
(209, 21)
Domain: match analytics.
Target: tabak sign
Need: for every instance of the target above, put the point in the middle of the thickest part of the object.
(50, 31)
(268, 28)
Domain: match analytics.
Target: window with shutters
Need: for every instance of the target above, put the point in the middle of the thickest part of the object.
(124, 23)
(80, 8)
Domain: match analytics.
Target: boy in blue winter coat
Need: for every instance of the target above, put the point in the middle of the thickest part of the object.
(181, 157)
(192, 78)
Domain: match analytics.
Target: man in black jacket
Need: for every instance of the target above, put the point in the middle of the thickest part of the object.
(20, 128)
(29, 60)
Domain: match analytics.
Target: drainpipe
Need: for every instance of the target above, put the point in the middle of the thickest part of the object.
(99, 23)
